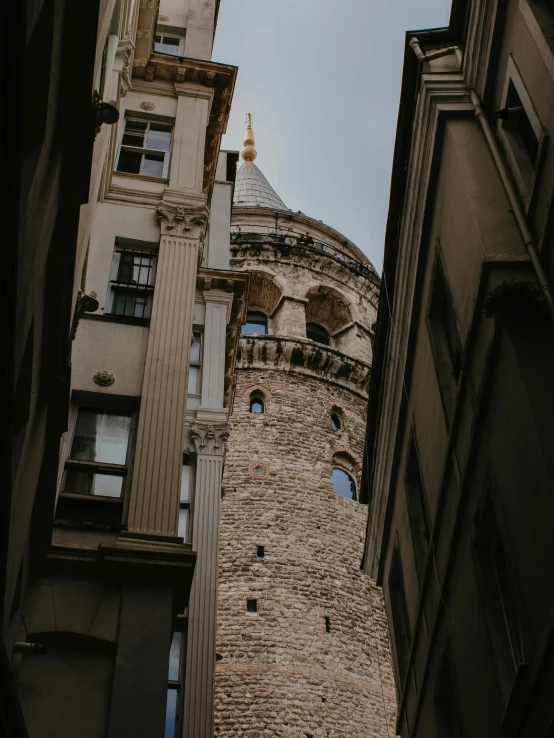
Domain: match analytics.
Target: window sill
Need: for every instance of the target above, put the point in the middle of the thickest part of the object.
(111, 318)
(142, 177)
(92, 499)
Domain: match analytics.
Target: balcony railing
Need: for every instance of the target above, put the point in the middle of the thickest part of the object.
(286, 243)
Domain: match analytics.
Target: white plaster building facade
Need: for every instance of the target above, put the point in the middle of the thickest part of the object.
(126, 600)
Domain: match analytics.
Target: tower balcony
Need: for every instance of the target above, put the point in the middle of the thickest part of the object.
(304, 356)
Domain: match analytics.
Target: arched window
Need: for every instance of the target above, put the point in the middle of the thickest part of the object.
(257, 404)
(335, 422)
(316, 332)
(256, 322)
(343, 484)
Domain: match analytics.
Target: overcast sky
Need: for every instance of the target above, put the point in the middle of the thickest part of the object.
(322, 79)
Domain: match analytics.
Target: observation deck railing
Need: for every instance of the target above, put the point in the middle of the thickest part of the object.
(287, 243)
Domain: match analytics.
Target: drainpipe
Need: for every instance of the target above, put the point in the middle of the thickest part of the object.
(515, 203)
(429, 56)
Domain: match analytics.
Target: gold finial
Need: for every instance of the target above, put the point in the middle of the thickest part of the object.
(249, 153)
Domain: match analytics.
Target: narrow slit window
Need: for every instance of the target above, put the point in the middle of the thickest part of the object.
(260, 552)
(252, 607)
(257, 404)
(327, 624)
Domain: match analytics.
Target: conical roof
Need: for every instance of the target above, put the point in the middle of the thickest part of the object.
(252, 190)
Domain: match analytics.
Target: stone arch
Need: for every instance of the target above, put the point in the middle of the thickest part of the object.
(256, 388)
(265, 291)
(345, 459)
(328, 307)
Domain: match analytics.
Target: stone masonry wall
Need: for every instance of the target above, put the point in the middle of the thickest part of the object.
(284, 671)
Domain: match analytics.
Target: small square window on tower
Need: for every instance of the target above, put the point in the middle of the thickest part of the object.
(252, 607)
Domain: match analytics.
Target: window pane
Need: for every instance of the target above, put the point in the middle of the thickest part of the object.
(130, 305)
(171, 713)
(256, 322)
(175, 657)
(185, 483)
(168, 45)
(112, 438)
(256, 406)
(79, 482)
(159, 137)
(194, 374)
(101, 437)
(183, 523)
(317, 333)
(134, 268)
(129, 161)
(153, 165)
(343, 484)
(195, 347)
(335, 422)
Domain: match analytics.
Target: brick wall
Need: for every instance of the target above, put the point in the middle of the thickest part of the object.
(281, 672)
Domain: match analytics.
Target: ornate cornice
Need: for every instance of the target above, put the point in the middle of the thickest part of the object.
(304, 357)
(178, 220)
(210, 440)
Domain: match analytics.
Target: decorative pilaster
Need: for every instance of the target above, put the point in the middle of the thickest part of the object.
(210, 442)
(218, 312)
(189, 138)
(154, 502)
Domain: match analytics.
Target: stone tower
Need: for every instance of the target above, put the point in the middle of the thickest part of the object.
(302, 635)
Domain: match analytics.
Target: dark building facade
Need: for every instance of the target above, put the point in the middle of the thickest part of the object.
(459, 468)
(49, 132)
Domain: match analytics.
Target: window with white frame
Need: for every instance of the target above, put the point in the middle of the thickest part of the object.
(132, 281)
(195, 364)
(145, 148)
(520, 132)
(185, 500)
(97, 463)
(169, 43)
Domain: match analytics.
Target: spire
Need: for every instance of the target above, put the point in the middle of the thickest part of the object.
(252, 190)
(249, 153)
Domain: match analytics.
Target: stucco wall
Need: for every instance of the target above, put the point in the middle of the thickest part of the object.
(281, 671)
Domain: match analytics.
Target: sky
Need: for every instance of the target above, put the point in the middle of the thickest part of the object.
(322, 80)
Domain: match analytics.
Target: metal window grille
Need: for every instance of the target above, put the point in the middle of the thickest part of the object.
(145, 148)
(132, 283)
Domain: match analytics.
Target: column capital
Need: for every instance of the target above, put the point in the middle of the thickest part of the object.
(210, 440)
(179, 220)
